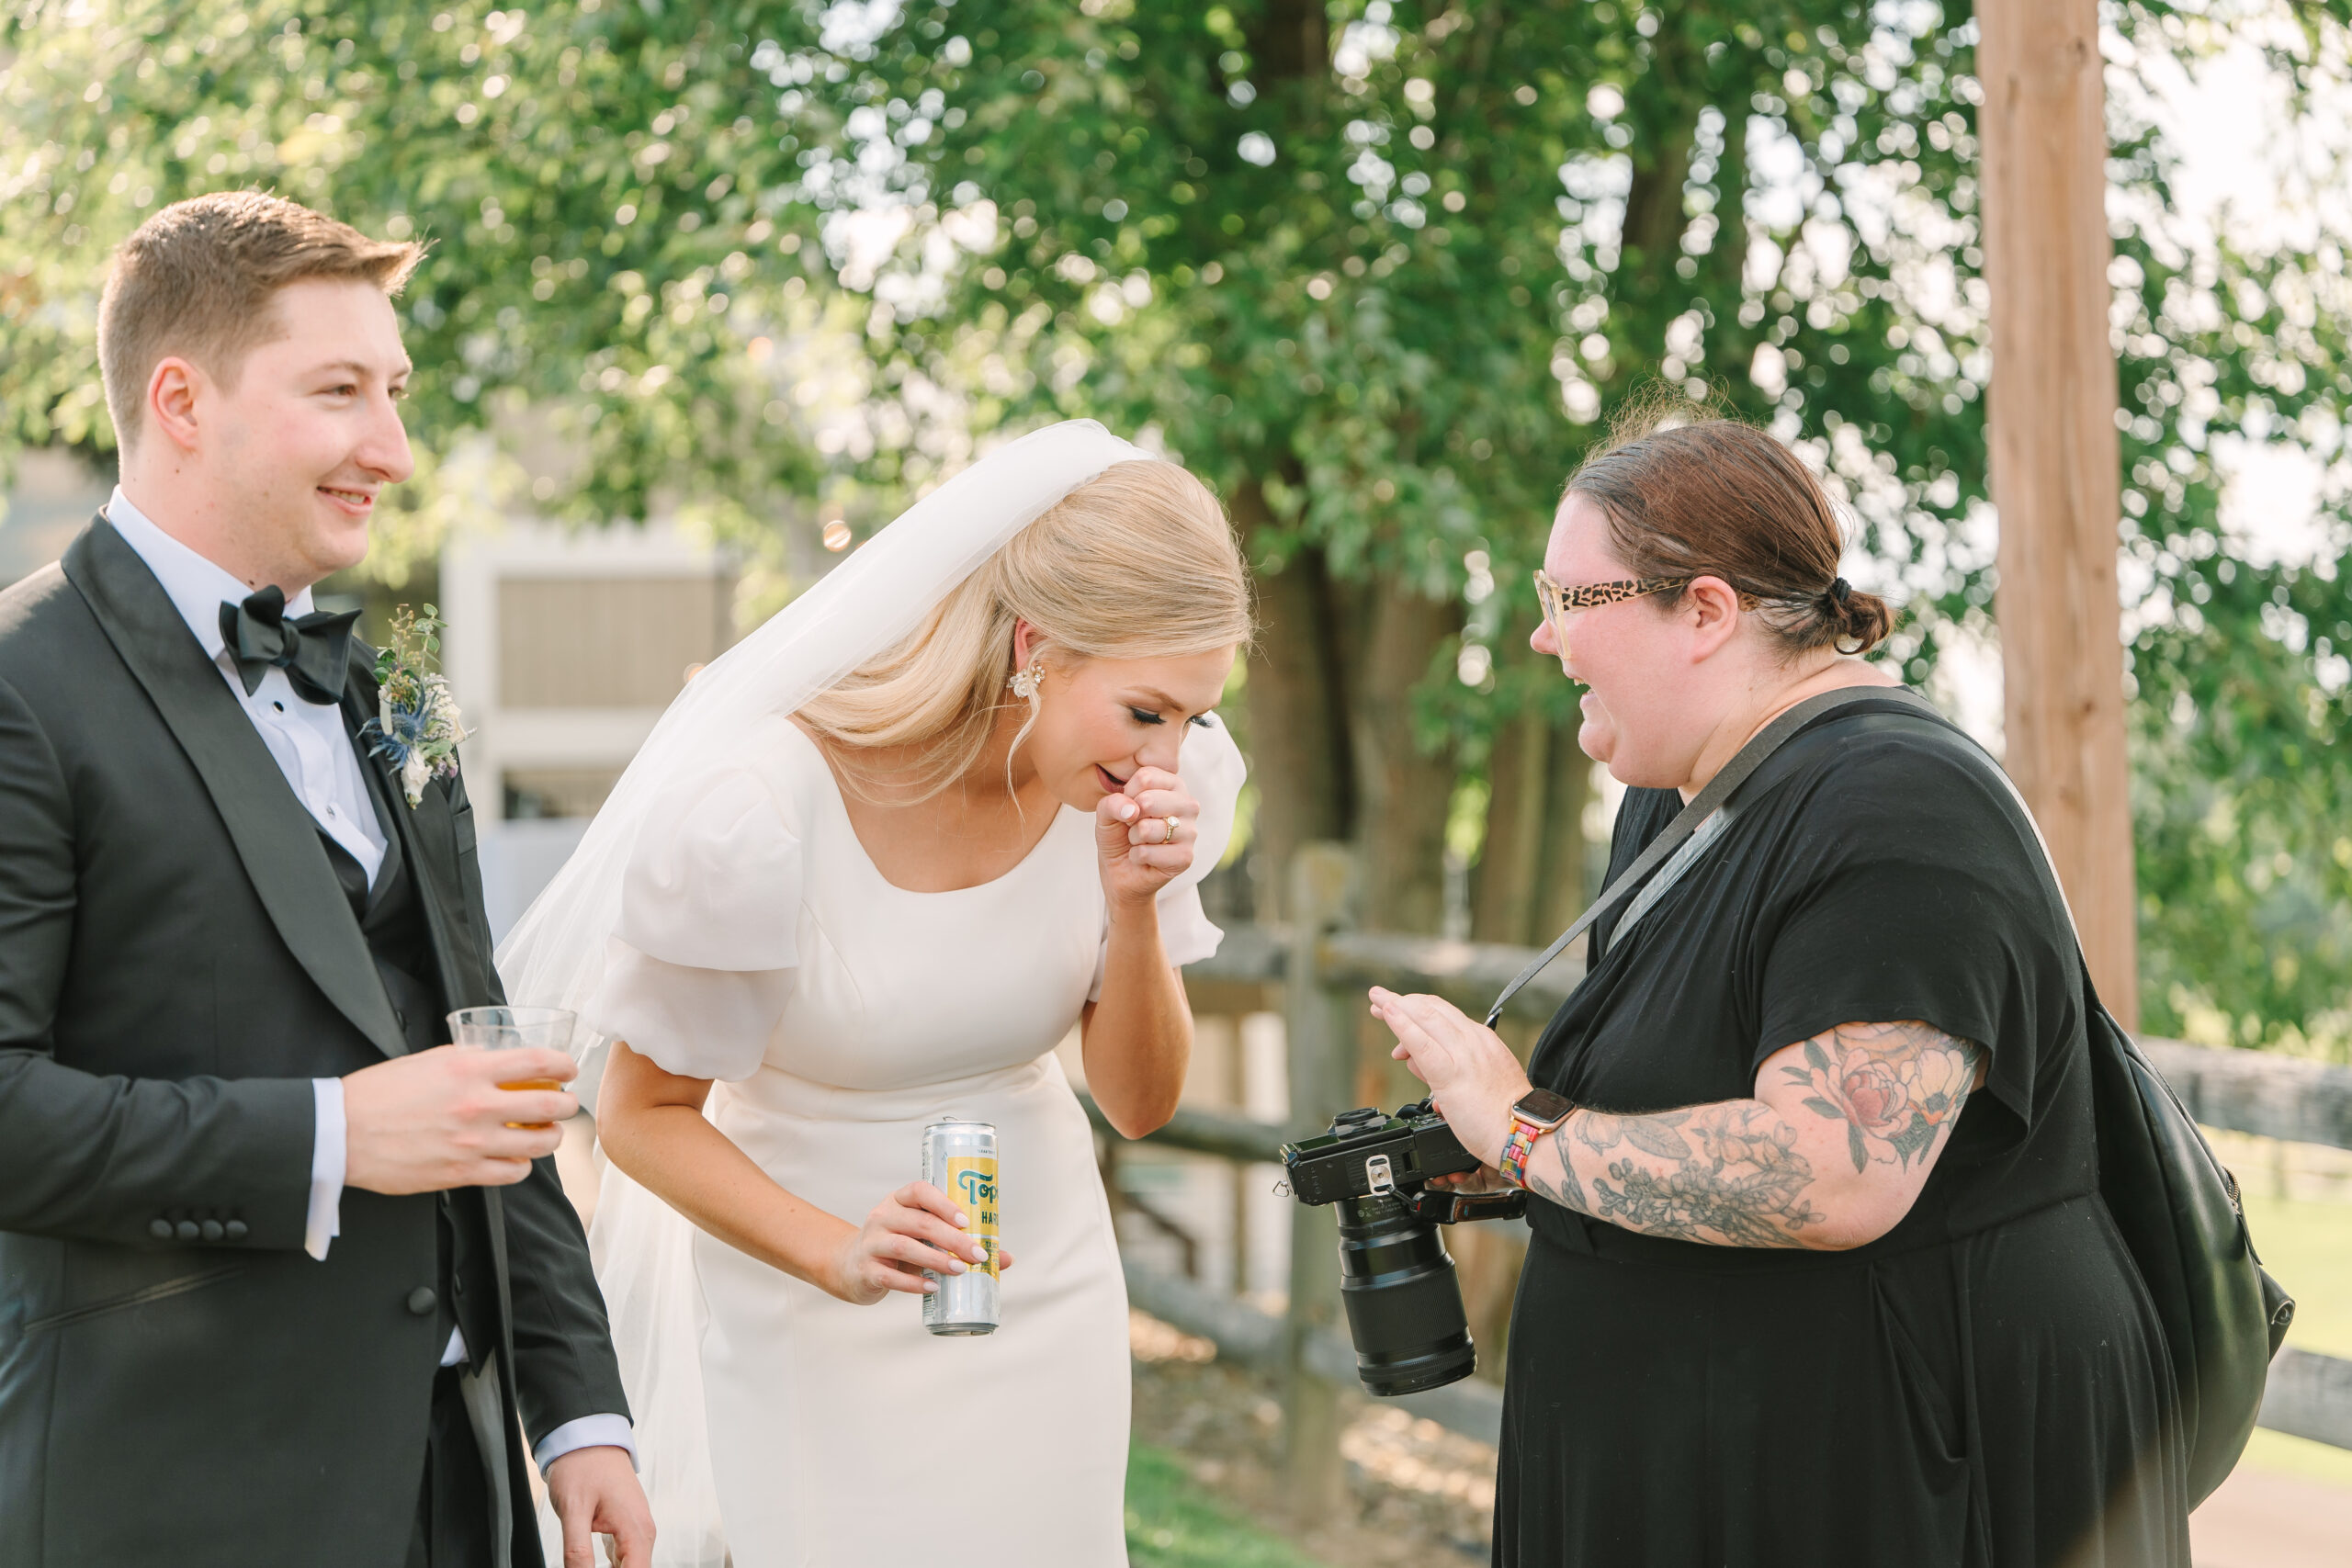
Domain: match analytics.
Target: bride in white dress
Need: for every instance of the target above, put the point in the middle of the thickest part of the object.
(873, 867)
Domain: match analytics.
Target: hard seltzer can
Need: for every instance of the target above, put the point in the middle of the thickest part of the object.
(959, 1158)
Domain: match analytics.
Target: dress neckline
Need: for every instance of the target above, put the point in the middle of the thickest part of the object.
(865, 856)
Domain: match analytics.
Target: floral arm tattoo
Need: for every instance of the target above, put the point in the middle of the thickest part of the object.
(1763, 1172)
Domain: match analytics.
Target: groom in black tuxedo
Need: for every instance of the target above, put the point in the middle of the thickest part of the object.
(279, 1276)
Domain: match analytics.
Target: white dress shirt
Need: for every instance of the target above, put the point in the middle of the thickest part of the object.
(314, 751)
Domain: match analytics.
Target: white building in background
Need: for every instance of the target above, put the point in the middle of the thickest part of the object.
(563, 647)
(55, 494)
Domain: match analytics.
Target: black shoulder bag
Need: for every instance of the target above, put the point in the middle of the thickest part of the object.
(2175, 1205)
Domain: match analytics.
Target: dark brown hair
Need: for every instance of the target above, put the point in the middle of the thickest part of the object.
(1710, 497)
(197, 279)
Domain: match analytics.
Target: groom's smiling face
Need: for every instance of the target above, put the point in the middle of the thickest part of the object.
(314, 421)
(297, 449)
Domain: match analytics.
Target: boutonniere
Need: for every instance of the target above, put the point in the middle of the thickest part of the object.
(416, 728)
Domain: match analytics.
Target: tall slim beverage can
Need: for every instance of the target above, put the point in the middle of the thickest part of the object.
(959, 1158)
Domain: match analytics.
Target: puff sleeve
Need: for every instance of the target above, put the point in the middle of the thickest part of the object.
(702, 960)
(1212, 768)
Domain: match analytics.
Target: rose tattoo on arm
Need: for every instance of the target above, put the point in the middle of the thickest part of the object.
(1895, 1086)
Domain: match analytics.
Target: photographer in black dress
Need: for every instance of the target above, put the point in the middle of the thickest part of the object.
(1819, 1274)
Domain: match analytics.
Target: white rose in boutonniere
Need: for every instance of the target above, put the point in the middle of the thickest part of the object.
(416, 728)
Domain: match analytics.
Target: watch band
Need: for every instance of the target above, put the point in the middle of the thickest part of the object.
(1525, 1130)
(1515, 1148)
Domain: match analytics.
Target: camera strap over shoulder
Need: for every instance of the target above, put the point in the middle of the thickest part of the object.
(1716, 795)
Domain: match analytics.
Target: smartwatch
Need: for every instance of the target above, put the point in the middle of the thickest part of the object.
(1532, 1115)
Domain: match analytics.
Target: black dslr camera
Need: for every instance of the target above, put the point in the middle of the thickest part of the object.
(1404, 1303)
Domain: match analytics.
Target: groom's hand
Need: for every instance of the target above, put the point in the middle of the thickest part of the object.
(594, 1492)
(437, 1119)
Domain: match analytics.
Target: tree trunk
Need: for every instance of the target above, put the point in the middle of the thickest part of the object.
(1510, 864)
(1292, 40)
(1568, 882)
(1731, 347)
(1532, 878)
(1299, 754)
(1654, 216)
(1403, 794)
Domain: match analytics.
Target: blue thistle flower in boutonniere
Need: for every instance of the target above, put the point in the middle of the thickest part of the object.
(416, 728)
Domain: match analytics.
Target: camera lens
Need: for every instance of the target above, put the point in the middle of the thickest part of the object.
(1403, 1301)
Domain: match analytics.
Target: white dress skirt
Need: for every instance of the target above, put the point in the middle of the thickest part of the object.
(759, 945)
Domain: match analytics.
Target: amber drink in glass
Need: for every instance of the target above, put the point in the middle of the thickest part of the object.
(509, 1029)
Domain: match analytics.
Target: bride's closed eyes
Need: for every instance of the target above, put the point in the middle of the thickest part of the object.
(1145, 715)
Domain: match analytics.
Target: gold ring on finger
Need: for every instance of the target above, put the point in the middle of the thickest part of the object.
(1171, 832)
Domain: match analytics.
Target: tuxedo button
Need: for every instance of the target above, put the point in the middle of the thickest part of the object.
(236, 1230)
(160, 1229)
(214, 1230)
(188, 1230)
(422, 1301)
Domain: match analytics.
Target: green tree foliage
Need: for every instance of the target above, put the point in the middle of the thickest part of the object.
(588, 179)
(1381, 271)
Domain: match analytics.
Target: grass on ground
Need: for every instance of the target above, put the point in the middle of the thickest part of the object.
(1171, 1524)
(2308, 1246)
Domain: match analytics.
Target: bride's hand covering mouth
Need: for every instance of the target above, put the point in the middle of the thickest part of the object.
(1145, 834)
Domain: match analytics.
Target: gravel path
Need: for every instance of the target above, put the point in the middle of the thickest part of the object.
(1417, 1494)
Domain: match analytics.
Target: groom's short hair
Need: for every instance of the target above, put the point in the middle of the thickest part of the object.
(197, 280)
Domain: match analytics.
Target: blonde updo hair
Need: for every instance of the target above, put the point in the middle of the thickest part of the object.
(1138, 562)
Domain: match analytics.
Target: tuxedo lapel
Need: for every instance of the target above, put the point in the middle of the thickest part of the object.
(426, 834)
(274, 838)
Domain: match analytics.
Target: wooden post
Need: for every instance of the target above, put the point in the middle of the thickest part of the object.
(2055, 460)
(1321, 1046)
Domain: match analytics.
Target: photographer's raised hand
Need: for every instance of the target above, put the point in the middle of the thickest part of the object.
(1474, 1079)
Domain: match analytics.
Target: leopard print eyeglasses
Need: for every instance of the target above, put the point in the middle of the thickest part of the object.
(1559, 601)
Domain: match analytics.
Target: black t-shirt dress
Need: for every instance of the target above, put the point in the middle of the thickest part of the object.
(1983, 1386)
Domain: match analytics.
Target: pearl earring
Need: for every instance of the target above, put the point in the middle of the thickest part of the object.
(1024, 682)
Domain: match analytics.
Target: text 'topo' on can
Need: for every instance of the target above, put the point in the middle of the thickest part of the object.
(959, 1158)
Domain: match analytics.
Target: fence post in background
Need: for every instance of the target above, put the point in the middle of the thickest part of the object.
(1321, 1046)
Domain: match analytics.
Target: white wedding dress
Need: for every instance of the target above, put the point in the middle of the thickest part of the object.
(757, 945)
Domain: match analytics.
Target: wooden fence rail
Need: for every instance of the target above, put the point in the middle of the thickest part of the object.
(2309, 1395)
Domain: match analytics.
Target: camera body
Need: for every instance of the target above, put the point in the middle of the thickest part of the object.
(1403, 1301)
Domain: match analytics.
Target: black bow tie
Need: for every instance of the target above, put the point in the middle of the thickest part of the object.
(314, 650)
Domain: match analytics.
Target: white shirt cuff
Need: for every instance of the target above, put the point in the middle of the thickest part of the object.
(587, 1432)
(325, 1222)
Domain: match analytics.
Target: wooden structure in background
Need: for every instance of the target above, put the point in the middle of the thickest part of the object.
(2055, 458)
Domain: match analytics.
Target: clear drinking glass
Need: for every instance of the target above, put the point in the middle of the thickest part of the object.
(509, 1029)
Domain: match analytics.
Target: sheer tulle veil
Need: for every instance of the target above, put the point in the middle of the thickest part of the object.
(555, 956)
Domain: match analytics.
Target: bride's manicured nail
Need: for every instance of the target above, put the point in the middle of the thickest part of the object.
(957, 1265)
(979, 1253)
(961, 1222)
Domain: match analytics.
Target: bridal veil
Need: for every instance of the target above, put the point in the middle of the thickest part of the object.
(555, 955)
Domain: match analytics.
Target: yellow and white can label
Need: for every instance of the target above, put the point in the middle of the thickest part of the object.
(971, 1184)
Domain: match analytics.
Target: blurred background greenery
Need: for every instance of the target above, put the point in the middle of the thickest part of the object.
(1381, 271)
